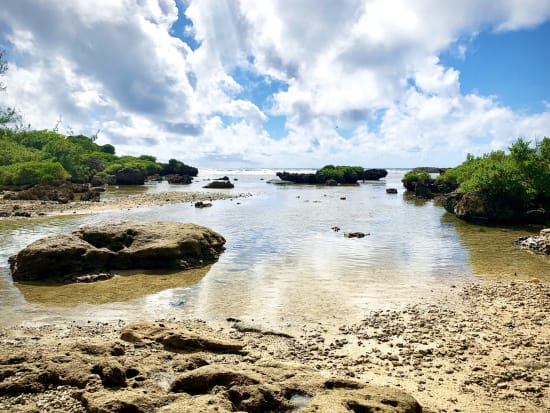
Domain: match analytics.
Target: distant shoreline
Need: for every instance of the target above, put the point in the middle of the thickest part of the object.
(17, 209)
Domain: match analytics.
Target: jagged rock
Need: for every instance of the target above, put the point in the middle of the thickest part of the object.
(539, 244)
(391, 190)
(115, 246)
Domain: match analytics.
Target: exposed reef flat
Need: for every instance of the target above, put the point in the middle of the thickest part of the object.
(483, 347)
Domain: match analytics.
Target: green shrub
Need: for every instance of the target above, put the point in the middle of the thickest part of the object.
(12, 152)
(521, 177)
(30, 173)
(341, 174)
(417, 175)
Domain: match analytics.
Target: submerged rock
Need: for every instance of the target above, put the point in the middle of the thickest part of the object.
(117, 246)
(355, 234)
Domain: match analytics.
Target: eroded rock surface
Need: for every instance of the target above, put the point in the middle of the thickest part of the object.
(117, 246)
(138, 372)
(539, 244)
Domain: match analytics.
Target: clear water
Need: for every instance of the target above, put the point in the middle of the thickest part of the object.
(283, 266)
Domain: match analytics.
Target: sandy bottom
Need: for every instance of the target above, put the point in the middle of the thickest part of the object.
(484, 347)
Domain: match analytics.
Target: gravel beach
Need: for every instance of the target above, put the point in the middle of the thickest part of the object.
(483, 347)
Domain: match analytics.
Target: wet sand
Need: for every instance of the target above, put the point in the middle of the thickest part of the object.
(483, 347)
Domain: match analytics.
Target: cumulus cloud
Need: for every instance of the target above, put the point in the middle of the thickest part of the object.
(362, 80)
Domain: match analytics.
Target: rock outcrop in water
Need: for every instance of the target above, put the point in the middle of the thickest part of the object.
(117, 246)
(220, 184)
(539, 244)
(320, 178)
(482, 208)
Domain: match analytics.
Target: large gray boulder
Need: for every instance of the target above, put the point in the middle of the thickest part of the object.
(117, 246)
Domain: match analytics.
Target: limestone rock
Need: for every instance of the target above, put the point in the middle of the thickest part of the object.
(176, 338)
(151, 376)
(117, 246)
(539, 244)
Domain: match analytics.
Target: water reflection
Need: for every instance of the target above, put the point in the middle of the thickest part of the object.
(128, 285)
(283, 264)
(492, 254)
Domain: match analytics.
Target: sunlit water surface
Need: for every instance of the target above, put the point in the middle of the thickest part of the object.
(283, 266)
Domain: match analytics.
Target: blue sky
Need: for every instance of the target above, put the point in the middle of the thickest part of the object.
(285, 83)
(513, 66)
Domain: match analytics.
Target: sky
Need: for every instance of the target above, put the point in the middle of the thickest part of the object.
(283, 83)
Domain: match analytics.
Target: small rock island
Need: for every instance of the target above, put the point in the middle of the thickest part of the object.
(117, 246)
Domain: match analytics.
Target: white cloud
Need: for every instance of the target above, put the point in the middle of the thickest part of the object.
(364, 69)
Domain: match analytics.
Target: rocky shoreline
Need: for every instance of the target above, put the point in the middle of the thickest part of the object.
(17, 209)
(483, 347)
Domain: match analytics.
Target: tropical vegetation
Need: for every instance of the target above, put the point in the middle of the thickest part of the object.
(30, 157)
(509, 184)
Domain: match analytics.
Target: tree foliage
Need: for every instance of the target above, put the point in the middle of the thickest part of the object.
(79, 157)
(522, 176)
(33, 172)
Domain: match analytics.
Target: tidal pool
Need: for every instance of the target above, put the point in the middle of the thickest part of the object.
(283, 266)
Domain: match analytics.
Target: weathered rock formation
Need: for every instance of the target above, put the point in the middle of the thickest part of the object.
(476, 207)
(159, 367)
(117, 246)
(59, 191)
(130, 176)
(539, 244)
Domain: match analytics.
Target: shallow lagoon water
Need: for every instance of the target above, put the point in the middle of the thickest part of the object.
(283, 266)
